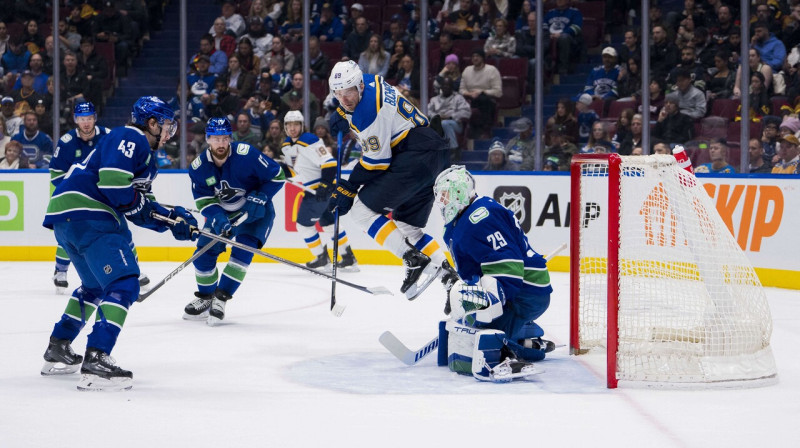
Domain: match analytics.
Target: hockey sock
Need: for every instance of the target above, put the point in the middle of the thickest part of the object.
(312, 239)
(423, 242)
(343, 241)
(79, 309)
(205, 267)
(236, 269)
(62, 259)
(385, 232)
(112, 312)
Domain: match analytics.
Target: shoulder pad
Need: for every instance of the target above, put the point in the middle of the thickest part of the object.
(197, 162)
(66, 138)
(308, 138)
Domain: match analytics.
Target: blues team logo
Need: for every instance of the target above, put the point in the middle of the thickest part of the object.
(518, 200)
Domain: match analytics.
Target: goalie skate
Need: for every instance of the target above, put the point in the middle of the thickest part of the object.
(99, 373)
(198, 309)
(60, 281)
(420, 273)
(511, 368)
(59, 359)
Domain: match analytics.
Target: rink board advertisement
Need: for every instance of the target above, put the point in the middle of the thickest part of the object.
(760, 212)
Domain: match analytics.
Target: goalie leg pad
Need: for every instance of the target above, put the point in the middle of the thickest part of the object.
(487, 354)
(460, 347)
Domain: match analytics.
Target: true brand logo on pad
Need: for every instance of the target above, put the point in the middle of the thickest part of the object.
(12, 200)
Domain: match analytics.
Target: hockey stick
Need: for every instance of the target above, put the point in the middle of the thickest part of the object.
(190, 210)
(302, 187)
(408, 357)
(336, 308)
(376, 290)
(191, 260)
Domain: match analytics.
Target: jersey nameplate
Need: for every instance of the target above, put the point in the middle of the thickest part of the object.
(479, 214)
(242, 148)
(389, 94)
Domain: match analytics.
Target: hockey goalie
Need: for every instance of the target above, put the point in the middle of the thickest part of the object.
(504, 285)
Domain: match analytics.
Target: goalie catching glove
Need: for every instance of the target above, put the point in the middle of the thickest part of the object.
(478, 305)
(342, 197)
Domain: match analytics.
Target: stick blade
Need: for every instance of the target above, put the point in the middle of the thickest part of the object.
(378, 290)
(397, 348)
(338, 309)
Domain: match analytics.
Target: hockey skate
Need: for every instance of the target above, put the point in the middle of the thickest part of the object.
(539, 344)
(60, 280)
(59, 359)
(217, 311)
(99, 372)
(198, 309)
(449, 278)
(511, 368)
(144, 280)
(419, 272)
(349, 262)
(322, 262)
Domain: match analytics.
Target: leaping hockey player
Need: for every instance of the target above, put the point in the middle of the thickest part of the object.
(400, 160)
(86, 211)
(305, 154)
(73, 147)
(229, 178)
(491, 333)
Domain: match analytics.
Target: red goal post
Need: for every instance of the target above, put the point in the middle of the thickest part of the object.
(658, 280)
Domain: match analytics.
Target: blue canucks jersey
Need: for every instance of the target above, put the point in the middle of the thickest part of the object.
(106, 181)
(72, 149)
(568, 20)
(224, 189)
(602, 83)
(491, 242)
(37, 149)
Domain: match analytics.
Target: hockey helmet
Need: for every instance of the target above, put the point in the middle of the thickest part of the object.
(345, 74)
(293, 116)
(218, 126)
(148, 107)
(85, 109)
(454, 190)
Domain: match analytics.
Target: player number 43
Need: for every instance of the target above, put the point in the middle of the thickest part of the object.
(497, 240)
(127, 148)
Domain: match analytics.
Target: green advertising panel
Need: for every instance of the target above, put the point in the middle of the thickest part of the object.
(12, 200)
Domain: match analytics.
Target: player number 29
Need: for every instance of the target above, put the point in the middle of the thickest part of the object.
(497, 240)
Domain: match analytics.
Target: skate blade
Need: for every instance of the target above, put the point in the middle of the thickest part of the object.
(427, 277)
(508, 377)
(213, 321)
(353, 268)
(198, 317)
(59, 368)
(61, 290)
(89, 382)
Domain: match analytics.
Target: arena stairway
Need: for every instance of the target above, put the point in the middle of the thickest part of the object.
(156, 71)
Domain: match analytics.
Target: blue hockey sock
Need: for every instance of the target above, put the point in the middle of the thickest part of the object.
(236, 269)
(112, 312)
(80, 308)
(62, 259)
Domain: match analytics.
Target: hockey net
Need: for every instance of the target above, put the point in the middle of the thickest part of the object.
(658, 280)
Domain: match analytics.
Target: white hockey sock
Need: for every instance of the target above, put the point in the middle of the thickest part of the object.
(312, 239)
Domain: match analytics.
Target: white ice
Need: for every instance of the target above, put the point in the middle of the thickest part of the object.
(283, 372)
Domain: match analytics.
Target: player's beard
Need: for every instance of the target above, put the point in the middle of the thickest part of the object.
(222, 157)
(86, 135)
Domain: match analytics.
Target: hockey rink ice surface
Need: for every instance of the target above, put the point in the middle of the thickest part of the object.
(281, 371)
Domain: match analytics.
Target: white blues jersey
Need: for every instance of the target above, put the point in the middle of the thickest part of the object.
(309, 159)
(381, 121)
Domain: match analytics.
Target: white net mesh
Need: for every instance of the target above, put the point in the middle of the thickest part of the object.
(690, 306)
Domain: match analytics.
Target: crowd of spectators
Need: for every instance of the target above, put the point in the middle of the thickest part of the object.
(97, 41)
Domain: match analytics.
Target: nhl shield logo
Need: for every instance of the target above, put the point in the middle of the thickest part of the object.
(107, 269)
(518, 200)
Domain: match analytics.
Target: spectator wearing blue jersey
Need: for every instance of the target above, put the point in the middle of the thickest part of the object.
(718, 153)
(36, 145)
(770, 47)
(35, 69)
(586, 116)
(16, 57)
(217, 60)
(292, 27)
(564, 24)
(326, 26)
(601, 84)
(501, 268)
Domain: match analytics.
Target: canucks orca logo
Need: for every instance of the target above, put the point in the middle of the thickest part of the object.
(143, 184)
(226, 193)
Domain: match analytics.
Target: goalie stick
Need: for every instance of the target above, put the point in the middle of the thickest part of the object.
(370, 290)
(409, 357)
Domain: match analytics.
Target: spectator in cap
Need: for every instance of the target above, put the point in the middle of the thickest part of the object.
(201, 79)
(233, 21)
(451, 71)
(501, 44)
(258, 36)
(718, 153)
(559, 148)
(481, 85)
(522, 146)
(25, 93)
(601, 84)
(790, 125)
(12, 120)
(356, 11)
(454, 111)
(218, 60)
(770, 133)
(498, 160)
(268, 95)
(326, 26)
(586, 116)
(374, 60)
(322, 129)
(692, 101)
(550, 164)
(338, 9)
(789, 154)
(672, 125)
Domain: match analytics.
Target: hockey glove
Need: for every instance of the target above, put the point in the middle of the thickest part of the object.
(324, 190)
(255, 206)
(342, 197)
(220, 224)
(186, 228)
(339, 124)
(140, 213)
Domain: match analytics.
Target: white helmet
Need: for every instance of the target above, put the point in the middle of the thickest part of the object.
(453, 190)
(345, 74)
(293, 116)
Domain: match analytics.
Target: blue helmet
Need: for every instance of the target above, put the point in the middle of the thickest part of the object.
(84, 110)
(148, 107)
(218, 126)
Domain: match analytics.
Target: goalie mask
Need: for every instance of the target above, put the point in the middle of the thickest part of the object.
(454, 190)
